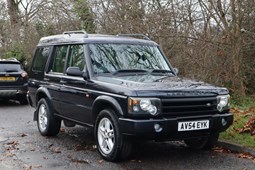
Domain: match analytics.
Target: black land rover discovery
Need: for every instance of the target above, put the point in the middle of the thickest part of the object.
(126, 89)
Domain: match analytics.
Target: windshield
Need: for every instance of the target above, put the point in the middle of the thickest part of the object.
(9, 67)
(109, 58)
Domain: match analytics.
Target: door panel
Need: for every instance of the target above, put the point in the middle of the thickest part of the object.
(52, 81)
(54, 74)
(76, 103)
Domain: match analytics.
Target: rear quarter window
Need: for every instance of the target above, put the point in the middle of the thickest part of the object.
(40, 58)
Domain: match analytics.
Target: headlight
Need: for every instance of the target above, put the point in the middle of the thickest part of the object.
(144, 106)
(223, 102)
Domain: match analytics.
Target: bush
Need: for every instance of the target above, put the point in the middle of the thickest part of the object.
(16, 52)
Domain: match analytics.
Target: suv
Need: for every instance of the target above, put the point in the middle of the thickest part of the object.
(125, 89)
(13, 81)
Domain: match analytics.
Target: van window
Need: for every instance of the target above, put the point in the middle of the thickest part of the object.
(59, 58)
(76, 57)
(40, 59)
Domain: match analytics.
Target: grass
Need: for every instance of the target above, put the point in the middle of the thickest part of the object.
(243, 111)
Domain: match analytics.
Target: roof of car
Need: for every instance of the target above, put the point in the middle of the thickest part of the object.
(9, 60)
(75, 37)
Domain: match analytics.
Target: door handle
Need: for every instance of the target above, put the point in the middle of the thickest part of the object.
(62, 81)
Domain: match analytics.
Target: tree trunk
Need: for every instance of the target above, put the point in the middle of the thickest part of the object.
(13, 12)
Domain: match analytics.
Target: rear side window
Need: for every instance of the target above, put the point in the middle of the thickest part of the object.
(10, 67)
(59, 58)
(40, 58)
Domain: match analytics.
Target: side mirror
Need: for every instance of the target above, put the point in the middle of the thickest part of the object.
(176, 71)
(74, 71)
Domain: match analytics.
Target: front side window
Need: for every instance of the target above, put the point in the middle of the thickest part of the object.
(108, 58)
(40, 59)
(76, 57)
(59, 58)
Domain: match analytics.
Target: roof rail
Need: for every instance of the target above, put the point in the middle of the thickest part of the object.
(14, 59)
(9, 59)
(135, 35)
(77, 32)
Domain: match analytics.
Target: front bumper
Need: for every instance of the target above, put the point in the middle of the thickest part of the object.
(145, 129)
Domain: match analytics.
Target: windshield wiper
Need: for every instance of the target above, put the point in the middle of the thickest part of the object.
(164, 72)
(141, 71)
(129, 71)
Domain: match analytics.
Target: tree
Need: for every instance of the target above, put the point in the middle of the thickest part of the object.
(30, 20)
(228, 16)
(84, 15)
(3, 27)
(13, 11)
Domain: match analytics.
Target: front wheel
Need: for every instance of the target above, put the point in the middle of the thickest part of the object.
(110, 142)
(203, 143)
(47, 124)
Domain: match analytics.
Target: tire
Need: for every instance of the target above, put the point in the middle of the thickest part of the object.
(47, 124)
(205, 143)
(111, 144)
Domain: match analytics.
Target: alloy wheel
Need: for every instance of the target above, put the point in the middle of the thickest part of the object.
(105, 134)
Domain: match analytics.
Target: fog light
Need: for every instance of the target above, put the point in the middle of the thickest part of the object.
(157, 127)
(223, 122)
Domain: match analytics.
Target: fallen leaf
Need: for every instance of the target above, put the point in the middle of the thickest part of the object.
(246, 155)
(56, 150)
(38, 166)
(221, 150)
(9, 154)
(80, 161)
(249, 126)
(13, 143)
(28, 167)
(79, 147)
(23, 135)
(50, 145)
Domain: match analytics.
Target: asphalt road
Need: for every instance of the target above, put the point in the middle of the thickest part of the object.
(23, 148)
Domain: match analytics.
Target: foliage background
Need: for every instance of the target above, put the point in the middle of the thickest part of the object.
(210, 40)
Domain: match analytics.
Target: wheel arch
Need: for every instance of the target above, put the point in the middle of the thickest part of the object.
(105, 102)
(42, 92)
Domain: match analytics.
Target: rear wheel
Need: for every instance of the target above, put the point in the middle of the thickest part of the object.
(47, 124)
(203, 143)
(110, 142)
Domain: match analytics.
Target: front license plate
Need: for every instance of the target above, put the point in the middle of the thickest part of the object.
(7, 78)
(193, 125)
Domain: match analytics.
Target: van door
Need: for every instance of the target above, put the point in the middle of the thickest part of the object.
(76, 103)
(54, 74)
(37, 70)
